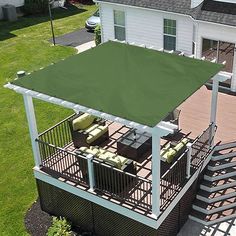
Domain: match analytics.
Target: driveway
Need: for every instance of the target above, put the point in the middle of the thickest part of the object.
(75, 38)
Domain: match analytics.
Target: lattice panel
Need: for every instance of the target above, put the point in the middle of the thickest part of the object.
(61, 203)
(170, 225)
(109, 223)
(104, 222)
(186, 204)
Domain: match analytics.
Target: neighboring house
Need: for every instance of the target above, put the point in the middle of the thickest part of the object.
(20, 3)
(16, 3)
(206, 29)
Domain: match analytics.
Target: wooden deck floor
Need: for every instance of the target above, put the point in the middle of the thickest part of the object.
(195, 115)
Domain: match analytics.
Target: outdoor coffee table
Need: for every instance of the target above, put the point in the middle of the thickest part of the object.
(134, 144)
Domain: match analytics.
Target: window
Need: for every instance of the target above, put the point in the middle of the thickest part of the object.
(219, 51)
(119, 25)
(169, 34)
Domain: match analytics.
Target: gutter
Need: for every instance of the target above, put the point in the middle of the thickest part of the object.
(162, 11)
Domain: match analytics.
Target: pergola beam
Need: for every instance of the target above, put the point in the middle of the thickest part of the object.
(77, 107)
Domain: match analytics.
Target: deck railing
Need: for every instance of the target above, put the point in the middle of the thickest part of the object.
(201, 147)
(173, 180)
(62, 163)
(122, 185)
(59, 135)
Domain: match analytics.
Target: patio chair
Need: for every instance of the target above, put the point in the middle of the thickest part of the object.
(170, 152)
(173, 117)
(88, 130)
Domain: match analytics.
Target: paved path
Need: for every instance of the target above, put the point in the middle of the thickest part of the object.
(85, 46)
(192, 228)
(75, 38)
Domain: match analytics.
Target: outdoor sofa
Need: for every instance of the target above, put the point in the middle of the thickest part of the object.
(107, 175)
(88, 130)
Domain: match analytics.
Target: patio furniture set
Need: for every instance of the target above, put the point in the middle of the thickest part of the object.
(88, 132)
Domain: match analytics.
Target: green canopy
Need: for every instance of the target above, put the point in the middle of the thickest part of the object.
(135, 83)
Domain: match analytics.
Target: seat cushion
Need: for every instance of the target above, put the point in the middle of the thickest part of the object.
(181, 144)
(95, 131)
(92, 150)
(83, 121)
(112, 158)
(107, 156)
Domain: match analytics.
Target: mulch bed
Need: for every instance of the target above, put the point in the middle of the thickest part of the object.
(37, 222)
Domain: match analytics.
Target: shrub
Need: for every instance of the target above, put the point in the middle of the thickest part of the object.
(60, 227)
(35, 6)
(97, 32)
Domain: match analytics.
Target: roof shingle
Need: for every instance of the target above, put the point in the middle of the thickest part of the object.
(209, 10)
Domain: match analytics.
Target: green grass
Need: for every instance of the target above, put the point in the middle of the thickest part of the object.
(24, 46)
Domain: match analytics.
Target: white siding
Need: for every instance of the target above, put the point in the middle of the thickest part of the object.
(195, 3)
(215, 32)
(145, 26)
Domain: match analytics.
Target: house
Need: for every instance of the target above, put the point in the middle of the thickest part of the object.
(120, 165)
(205, 29)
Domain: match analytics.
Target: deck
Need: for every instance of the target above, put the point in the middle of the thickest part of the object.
(63, 163)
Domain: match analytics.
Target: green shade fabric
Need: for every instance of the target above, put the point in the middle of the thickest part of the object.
(130, 82)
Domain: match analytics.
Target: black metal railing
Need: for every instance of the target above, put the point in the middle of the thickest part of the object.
(173, 180)
(122, 185)
(201, 146)
(59, 135)
(62, 163)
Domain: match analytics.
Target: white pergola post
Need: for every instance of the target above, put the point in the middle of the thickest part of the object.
(156, 172)
(214, 98)
(29, 109)
(233, 80)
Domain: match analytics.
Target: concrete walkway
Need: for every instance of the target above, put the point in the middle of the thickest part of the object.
(85, 46)
(192, 228)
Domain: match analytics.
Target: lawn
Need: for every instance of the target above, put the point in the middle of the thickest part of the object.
(24, 46)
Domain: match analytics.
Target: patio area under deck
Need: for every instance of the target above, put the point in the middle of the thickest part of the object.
(154, 186)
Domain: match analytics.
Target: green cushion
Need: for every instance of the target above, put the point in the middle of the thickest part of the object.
(92, 150)
(83, 121)
(181, 144)
(109, 157)
(170, 155)
(95, 131)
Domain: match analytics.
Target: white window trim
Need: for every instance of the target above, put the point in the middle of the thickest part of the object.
(117, 25)
(171, 35)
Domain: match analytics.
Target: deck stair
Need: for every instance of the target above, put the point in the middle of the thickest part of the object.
(216, 199)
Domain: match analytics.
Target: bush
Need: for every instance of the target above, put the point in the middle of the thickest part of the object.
(60, 227)
(35, 6)
(97, 32)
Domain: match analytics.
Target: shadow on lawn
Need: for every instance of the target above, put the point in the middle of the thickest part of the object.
(26, 21)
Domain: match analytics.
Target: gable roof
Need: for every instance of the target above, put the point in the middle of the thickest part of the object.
(130, 82)
(209, 10)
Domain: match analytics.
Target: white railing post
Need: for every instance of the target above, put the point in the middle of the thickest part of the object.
(29, 109)
(90, 172)
(189, 157)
